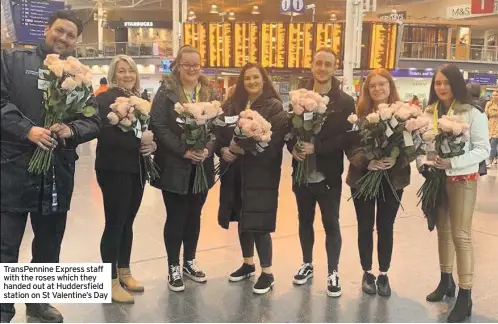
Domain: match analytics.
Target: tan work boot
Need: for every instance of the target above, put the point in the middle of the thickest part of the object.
(125, 277)
(119, 294)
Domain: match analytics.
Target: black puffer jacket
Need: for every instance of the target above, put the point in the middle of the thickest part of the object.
(116, 150)
(334, 138)
(249, 187)
(22, 107)
(175, 169)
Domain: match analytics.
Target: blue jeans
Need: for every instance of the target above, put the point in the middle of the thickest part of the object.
(494, 148)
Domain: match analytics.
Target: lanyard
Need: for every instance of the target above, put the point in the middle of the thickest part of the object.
(436, 115)
(192, 98)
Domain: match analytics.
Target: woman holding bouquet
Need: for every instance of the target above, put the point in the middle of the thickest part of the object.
(449, 96)
(186, 84)
(120, 175)
(250, 181)
(379, 88)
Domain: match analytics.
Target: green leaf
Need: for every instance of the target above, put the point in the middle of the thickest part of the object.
(297, 121)
(308, 125)
(190, 141)
(55, 98)
(195, 133)
(89, 111)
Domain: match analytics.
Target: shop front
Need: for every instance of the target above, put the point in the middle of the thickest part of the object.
(143, 37)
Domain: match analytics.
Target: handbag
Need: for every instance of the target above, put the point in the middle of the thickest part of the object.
(483, 170)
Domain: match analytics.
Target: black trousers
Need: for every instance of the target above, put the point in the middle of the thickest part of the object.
(387, 208)
(263, 243)
(122, 194)
(46, 246)
(183, 224)
(329, 200)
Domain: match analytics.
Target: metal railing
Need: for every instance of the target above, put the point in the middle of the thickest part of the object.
(443, 51)
(133, 49)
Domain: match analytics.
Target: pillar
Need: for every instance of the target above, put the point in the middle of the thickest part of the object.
(350, 46)
(100, 27)
(176, 26)
(183, 19)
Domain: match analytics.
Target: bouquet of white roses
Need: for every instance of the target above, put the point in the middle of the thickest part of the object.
(387, 134)
(67, 88)
(197, 120)
(307, 116)
(133, 114)
(447, 141)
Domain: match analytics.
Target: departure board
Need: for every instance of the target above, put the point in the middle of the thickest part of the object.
(331, 35)
(273, 45)
(195, 35)
(220, 44)
(300, 44)
(246, 43)
(383, 46)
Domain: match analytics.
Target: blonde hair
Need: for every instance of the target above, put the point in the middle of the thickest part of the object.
(111, 74)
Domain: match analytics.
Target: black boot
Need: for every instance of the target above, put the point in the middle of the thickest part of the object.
(44, 312)
(446, 287)
(463, 306)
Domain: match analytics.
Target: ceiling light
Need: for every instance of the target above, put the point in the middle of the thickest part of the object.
(333, 17)
(255, 10)
(394, 11)
(214, 9)
(231, 16)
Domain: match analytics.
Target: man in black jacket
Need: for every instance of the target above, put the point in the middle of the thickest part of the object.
(325, 181)
(46, 198)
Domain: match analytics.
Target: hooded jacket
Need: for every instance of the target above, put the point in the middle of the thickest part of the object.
(176, 170)
(22, 107)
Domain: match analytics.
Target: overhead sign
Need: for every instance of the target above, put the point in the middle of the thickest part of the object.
(465, 11)
(484, 79)
(399, 15)
(292, 7)
(27, 19)
(140, 24)
(482, 6)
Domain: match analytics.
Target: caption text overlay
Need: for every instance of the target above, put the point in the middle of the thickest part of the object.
(55, 283)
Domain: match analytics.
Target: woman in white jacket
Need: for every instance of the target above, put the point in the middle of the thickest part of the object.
(448, 96)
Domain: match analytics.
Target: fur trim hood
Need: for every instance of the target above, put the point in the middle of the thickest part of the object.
(458, 108)
(172, 86)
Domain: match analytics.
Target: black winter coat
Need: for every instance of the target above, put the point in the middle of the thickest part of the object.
(334, 138)
(249, 187)
(116, 150)
(176, 171)
(22, 107)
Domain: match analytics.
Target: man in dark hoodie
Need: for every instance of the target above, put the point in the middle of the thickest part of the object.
(325, 181)
(46, 198)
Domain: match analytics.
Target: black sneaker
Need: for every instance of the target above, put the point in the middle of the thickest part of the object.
(175, 280)
(264, 284)
(368, 283)
(45, 313)
(383, 287)
(304, 273)
(333, 286)
(191, 270)
(245, 271)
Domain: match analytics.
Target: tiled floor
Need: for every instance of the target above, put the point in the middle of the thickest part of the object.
(413, 274)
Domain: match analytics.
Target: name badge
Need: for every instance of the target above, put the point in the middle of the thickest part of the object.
(231, 119)
(43, 84)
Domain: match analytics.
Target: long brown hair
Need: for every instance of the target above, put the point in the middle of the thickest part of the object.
(240, 96)
(365, 103)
